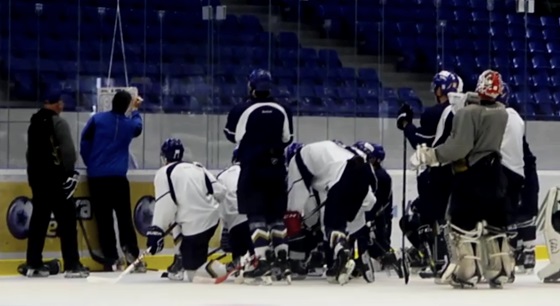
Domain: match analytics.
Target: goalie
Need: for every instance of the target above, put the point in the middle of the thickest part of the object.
(476, 230)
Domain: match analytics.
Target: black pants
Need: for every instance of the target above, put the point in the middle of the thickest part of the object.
(48, 197)
(261, 190)
(240, 240)
(346, 196)
(110, 194)
(434, 189)
(513, 194)
(194, 249)
(479, 194)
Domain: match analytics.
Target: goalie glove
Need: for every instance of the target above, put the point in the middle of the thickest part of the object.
(424, 156)
(69, 186)
(293, 222)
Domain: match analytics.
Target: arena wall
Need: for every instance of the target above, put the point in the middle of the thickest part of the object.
(205, 140)
(15, 205)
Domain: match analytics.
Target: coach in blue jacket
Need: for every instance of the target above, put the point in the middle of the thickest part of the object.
(104, 148)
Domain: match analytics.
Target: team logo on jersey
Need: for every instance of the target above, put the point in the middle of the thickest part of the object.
(21, 208)
(143, 214)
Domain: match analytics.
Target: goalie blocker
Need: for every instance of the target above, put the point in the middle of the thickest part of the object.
(551, 273)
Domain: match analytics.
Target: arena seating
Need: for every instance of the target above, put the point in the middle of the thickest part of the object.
(68, 47)
(475, 39)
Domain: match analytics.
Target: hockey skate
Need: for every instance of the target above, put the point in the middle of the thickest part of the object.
(390, 261)
(299, 269)
(42, 271)
(525, 261)
(53, 265)
(79, 271)
(176, 267)
(342, 269)
(141, 267)
(259, 271)
(416, 259)
(281, 264)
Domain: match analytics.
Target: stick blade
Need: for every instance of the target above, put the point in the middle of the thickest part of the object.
(101, 280)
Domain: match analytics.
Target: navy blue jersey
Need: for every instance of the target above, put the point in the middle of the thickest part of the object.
(384, 192)
(259, 128)
(435, 126)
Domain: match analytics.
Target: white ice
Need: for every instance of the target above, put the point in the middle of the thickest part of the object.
(150, 289)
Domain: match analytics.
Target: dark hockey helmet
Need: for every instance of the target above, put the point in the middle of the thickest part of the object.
(338, 142)
(445, 82)
(378, 152)
(260, 80)
(291, 150)
(365, 147)
(172, 150)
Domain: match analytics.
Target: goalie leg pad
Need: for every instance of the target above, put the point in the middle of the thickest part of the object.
(464, 251)
(499, 262)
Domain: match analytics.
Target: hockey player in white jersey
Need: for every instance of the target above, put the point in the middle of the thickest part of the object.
(186, 194)
(236, 236)
(342, 182)
(523, 215)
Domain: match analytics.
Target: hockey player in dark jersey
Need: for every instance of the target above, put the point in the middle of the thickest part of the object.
(477, 217)
(262, 129)
(526, 212)
(434, 184)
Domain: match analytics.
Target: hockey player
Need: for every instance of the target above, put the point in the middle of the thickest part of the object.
(186, 194)
(342, 182)
(434, 184)
(380, 217)
(476, 230)
(262, 129)
(525, 204)
(236, 236)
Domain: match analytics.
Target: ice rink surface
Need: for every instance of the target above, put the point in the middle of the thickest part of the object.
(150, 289)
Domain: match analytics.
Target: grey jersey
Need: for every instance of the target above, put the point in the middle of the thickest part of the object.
(477, 132)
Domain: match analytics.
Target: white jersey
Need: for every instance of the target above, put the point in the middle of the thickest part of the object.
(188, 195)
(326, 161)
(228, 207)
(512, 144)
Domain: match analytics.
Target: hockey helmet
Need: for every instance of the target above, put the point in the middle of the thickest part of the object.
(260, 80)
(172, 150)
(378, 152)
(291, 150)
(445, 82)
(366, 147)
(338, 142)
(490, 85)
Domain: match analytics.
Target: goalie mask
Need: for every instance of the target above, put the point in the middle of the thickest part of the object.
(490, 85)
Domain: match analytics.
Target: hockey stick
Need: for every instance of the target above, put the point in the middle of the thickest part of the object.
(94, 256)
(94, 279)
(405, 271)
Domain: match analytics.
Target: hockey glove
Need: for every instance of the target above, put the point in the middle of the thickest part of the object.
(293, 222)
(155, 239)
(69, 186)
(405, 116)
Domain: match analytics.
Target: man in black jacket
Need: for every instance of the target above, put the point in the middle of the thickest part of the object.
(50, 171)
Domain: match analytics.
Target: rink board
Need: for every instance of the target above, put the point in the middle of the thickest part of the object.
(15, 205)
